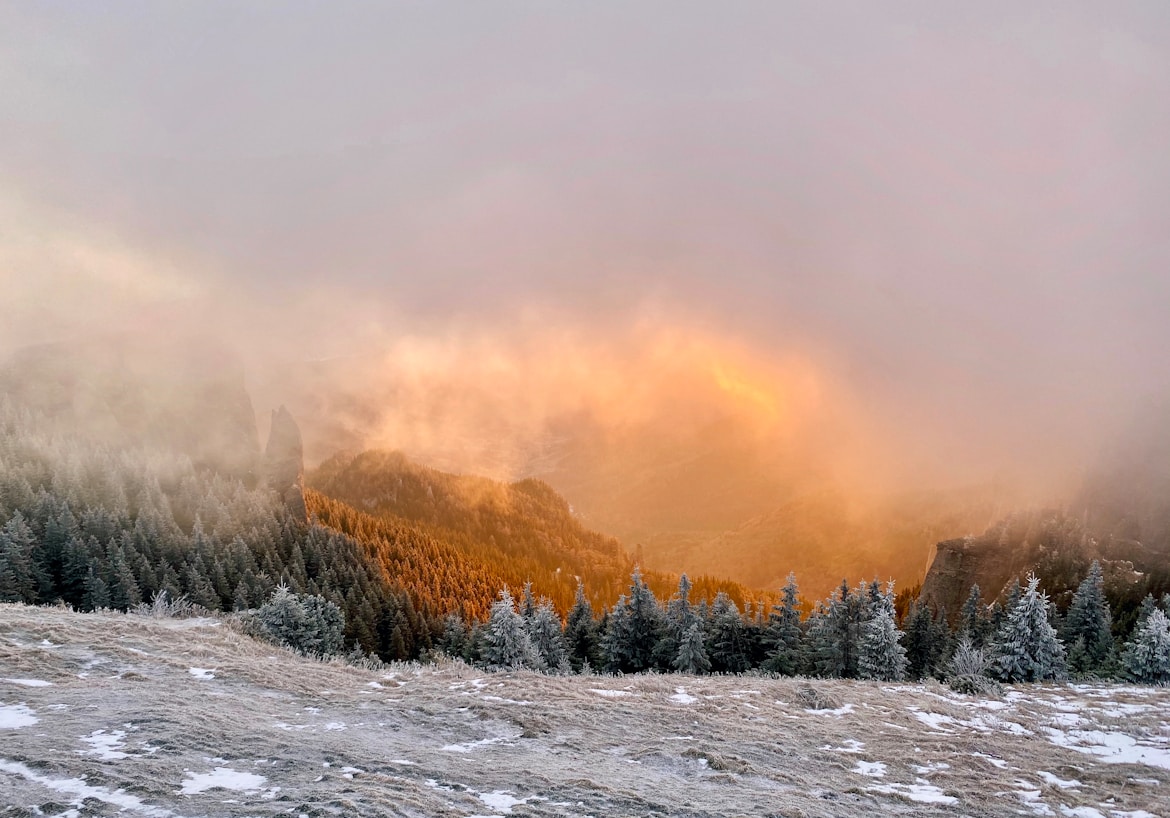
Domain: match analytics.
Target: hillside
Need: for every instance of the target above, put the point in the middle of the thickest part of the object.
(512, 532)
(109, 713)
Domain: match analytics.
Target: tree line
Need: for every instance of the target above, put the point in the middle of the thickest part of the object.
(855, 634)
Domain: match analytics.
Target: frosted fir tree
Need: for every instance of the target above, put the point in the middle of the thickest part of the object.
(680, 615)
(1146, 657)
(634, 627)
(881, 655)
(974, 622)
(692, 651)
(527, 603)
(727, 639)
(547, 637)
(783, 636)
(506, 643)
(581, 638)
(1088, 626)
(1026, 648)
(822, 650)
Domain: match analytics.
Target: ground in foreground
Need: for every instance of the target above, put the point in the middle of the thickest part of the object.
(104, 714)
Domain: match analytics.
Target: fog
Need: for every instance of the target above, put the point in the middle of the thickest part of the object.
(918, 245)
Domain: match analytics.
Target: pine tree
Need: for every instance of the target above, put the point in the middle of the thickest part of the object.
(547, 637)
(973, 622)
(581, 638)
(923, 652)
(727, 644)
(635, 626)
(783, 635)
(1087, 630)
(680, 615)
(692, 653)
(1026, 648)
(1146, 657)
(822, 649)
(506, 643)
(881, 655)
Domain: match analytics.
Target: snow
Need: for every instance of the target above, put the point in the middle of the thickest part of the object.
(611, 694)
(1052, 780)
(106, 746)
(1081, 812)
(13, 716)
(222, 777)
(1112, 747)
(992, 760)
(873, 769)
(29, 682)
(840, 711)
(467, 747)
(82, 791)
(920, 791)
(201, 672)
(501, 800)
(850, 745)
(682, 697)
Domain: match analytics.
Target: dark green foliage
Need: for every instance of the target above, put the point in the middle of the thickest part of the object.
(635, 625)
(727, 642)
(784, 634)
(582, 642)
(308, 624)
(1087, 627)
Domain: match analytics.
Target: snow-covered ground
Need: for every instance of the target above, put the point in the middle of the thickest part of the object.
(112, 714)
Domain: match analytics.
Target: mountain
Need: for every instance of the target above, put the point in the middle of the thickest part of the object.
(516, 532)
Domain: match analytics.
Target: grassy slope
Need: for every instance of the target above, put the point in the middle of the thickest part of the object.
(426, 740)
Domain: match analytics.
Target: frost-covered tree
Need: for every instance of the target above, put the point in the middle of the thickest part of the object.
(1087, 630)
(822, 650)
(783, 636)
(692, 652)
(882, 655)
(1146, 657)
(506, 643)
(634, 627)
(680, 615)
(19, 575)
(974, 622)
(1026, 648)
(728, 647)
(581, 636)
(307, 623)
(545, 631)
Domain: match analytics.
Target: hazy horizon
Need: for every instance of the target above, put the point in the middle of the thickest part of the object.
(915, 248)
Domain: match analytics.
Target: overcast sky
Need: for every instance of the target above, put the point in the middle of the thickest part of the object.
(965, 207)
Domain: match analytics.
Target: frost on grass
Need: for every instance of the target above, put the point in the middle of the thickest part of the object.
(28, 682)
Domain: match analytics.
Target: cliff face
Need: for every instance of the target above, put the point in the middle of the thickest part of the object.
(284, 463)
(1054, 546)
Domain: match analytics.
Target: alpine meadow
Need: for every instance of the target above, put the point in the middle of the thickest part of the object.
(634, 409)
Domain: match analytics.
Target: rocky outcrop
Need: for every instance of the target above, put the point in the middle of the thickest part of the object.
(284, 463)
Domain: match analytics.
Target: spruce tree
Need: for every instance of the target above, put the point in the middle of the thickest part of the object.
(692, 652)
(923, 652)
(727, 644)
(822, 649)
(1087, 630)
(680, 615)
(1146, 657)
(506, 643)
(581, 636)
(784, 635)
(973, 622)
(635, 626)
(547, 637)
(881, 656)
(1026, 648)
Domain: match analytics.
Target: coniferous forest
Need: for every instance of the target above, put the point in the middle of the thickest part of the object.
(97, 527)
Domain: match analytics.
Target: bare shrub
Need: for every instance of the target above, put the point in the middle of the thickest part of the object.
(161, 606)
(813, 698)
(967, 671)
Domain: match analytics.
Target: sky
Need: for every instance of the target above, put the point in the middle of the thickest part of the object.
(945, 226)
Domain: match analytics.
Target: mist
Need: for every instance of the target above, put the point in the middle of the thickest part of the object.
(904, 247)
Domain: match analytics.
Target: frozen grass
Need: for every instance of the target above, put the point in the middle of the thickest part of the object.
(126, 726)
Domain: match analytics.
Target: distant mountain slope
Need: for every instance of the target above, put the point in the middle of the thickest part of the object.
(510, 532)
(827, 535)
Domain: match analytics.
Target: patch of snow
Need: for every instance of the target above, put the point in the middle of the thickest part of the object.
(920, 791)
(927, 769)
(467, 747)
(992, 760)
(501, 800)
(106, 746)
(1081, 812)
(840, 711)
(201, 672)
(335, 725)
(29, 682)
(612, 694)
(850, 745)
(873, 769)
(13, 716)
(1111, 747)
(1032, 801)
(935, 720)
(404, 761)
(682, 697)
(223, 778)
(1137, 813)
(1054, 781)
(82, 791)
